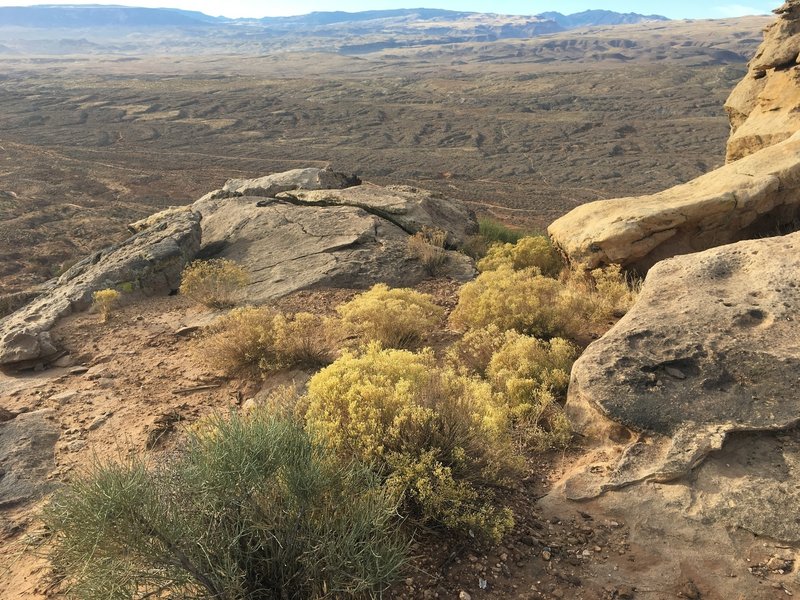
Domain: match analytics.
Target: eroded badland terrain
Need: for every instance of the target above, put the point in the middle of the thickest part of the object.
(679, 478)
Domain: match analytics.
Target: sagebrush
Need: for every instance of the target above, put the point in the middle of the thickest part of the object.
(252, 511)
(250, 340)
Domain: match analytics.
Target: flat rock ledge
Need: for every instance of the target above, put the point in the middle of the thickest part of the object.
(711, 350)
(750, 197)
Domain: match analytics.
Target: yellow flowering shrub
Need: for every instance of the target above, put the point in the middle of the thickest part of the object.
(533, 376)
(531, 251)
(440, 438)
(525, 301)
(105, 301)
(397, 318)
(473, 351)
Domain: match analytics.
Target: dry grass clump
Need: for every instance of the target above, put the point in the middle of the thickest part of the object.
(441, 439)
(428, 247)
(105, 301)
(251, 340)
(602, 295)
(533, 376)
(215, 283)
(250, 508)
(397, 318)
(531, 251)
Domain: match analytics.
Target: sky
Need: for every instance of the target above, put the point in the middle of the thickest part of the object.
(675, 9)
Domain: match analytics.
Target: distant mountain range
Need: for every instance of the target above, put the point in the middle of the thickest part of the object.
(88, 16)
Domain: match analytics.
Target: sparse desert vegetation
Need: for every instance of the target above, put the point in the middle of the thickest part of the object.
(217, 283)
(374, 400)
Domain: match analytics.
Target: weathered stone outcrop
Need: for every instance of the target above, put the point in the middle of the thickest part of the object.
(755, 194)
(752, 196)
(296, 179)
(286, 246)
(712, 347)
(763, 108)
(27, 456)
(409, 208)
(150, 262)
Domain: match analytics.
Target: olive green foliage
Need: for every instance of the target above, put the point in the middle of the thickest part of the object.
(397, 318)
(533, 376)
(428, 247)
(440, 438)
(215, 283)
(532, 251)
(249, 340)
(251, 511)
(494, 231)
(105, 301)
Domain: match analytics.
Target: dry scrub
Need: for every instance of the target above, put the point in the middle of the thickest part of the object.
(251, 340)
(428, 247)
(215, 283)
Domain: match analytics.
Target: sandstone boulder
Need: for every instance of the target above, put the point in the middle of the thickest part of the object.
(763, 108)
(755, 195)
(711, 348)
(150, 262)
(296, 179)
(27, 456)
(409, 208)
(288, 246)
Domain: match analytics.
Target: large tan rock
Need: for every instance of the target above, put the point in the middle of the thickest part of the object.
(763, 108)
(287, 247)
(711, 348)
(752, 196)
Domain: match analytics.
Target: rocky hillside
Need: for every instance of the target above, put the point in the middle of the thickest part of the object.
(678, 449)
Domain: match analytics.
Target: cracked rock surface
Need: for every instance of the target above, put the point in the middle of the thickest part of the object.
(287, 246)
(711, 348)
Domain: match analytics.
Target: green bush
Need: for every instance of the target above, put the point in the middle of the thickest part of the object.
(492, 231)
(251, 511)
(441, 439)
(397, 318)
(533, 376)
(533, 251)
(215, 283)
(249, 340)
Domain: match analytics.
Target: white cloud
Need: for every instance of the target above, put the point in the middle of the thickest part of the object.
(739, 10)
